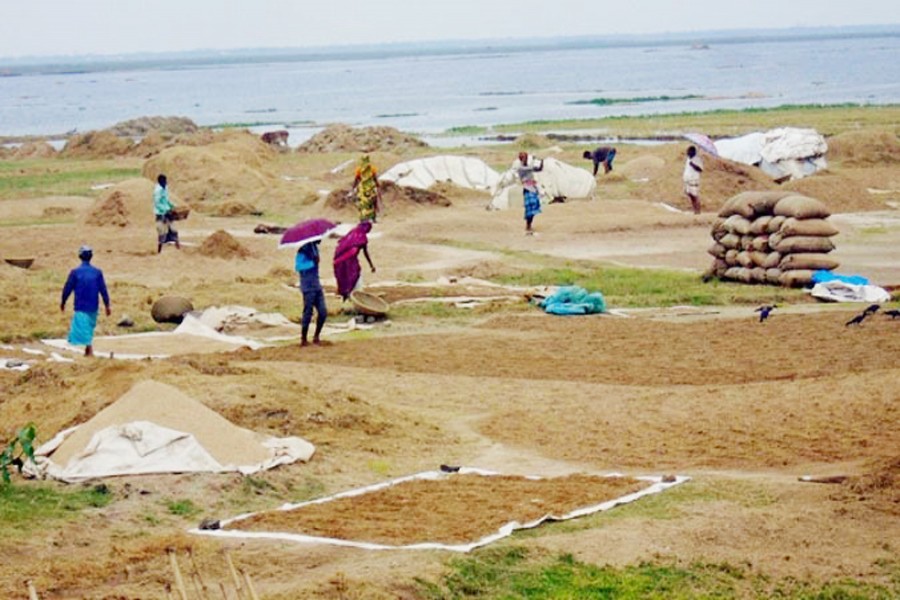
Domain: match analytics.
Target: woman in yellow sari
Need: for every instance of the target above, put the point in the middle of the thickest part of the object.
(368, 196)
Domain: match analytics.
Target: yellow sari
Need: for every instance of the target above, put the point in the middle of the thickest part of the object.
(366, 190)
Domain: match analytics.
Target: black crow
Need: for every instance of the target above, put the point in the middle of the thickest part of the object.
(857, 320)
(871, 309)
(893, 314)
(764, 311)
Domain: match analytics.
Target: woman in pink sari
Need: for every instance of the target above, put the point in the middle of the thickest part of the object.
(346, 258)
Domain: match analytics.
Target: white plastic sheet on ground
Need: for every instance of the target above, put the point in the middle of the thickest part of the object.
(463, 171)
(783, 153)
(556, 180)
(655, 485)
(154, 428)
(840, 291)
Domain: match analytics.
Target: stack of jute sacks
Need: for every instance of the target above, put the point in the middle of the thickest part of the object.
(772, 237)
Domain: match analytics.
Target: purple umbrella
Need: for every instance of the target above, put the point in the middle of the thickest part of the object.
(305, 232)
(703, 142)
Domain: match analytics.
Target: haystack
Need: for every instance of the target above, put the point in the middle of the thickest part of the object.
(237, 167)
(156, 428)
(222, 244)
(343, 138)
(96, 144)
(127, 204)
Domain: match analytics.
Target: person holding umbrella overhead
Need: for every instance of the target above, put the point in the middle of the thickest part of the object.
(306, 236)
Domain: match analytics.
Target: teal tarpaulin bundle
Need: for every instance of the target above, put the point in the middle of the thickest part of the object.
(574, 300)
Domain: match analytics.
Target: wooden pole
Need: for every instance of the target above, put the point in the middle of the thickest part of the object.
(179, 580)
(32, 593)
(234, 575)
(249, 583)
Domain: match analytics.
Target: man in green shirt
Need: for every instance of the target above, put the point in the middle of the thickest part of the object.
(162, 208)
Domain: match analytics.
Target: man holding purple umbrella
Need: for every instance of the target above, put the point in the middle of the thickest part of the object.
(306, 263)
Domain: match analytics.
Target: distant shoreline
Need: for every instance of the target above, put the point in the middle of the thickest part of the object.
(828, 119)
(82, 64)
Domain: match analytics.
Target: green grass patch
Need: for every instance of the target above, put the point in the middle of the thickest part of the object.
(182, 508)
(26, 507)
(827, 119)
(513, 572)
(632, 287)
(53, 177)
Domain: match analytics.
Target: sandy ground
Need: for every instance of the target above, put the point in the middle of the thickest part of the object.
(742, 408)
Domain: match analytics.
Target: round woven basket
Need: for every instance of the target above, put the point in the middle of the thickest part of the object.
(22, 263)
(369, 304)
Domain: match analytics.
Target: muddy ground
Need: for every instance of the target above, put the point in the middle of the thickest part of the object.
(743, 408)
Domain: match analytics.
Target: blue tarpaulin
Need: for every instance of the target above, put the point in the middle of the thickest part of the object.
(574, 300)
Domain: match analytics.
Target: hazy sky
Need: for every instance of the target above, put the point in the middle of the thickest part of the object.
(46, 27)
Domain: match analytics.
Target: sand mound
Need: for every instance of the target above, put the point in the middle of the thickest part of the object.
(129, 203)
(236, 166)
(342, 138)
(864, 148)
(222, 244)
(34, 150)
(96, 144)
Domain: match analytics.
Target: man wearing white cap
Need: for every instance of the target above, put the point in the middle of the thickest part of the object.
(88, 285)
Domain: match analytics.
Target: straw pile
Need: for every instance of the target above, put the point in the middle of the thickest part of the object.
(772, 237)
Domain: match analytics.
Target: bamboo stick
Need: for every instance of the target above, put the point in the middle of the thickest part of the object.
(249, 583)
(179, 581)
(32, 593)
(234, 575)
(197, 578)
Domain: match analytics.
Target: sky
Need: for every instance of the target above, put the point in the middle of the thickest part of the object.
(77, 27)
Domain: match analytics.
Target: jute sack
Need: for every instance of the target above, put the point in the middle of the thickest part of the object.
(773, 276)
(718, 268)
(737, 224)
(798, 278)
(745, 260)
(808, 261)
(759, 225)
(773, 259)
(801, 207)
(717, 250)
(803, 243)
(750, 204)
(816, 227)
(718, 229)
(758, 258)
(730, 241)
(739, 274)
(731, 257)
(758, 275)
(760, 243)
(775, 224)
(746, 242)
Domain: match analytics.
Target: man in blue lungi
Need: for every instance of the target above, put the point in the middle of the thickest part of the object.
(87, 282)
(526, 166)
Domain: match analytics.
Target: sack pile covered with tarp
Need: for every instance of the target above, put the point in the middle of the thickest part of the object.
(574, 300)
(772, 237)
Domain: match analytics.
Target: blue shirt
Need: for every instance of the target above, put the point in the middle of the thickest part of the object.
(87, 283)
(307, 264)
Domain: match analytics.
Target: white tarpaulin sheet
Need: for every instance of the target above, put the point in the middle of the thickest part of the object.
(655, 485)
(463, 171)
(786, 152)
(556, 180)
(840, 291)
(155, 428)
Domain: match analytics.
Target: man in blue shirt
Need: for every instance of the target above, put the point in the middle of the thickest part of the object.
(88, 285)
(306, 264)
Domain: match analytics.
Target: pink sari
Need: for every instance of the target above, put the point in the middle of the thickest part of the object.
(346, 258)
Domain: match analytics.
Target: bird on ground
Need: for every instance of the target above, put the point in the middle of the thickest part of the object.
(857, 320)
(871, 309)
(765, 311)
(893, 313)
